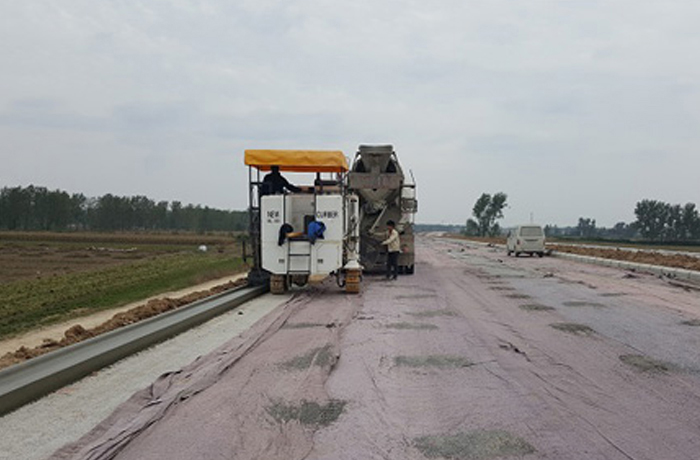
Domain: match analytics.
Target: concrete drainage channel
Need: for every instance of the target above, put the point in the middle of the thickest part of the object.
(25, 382)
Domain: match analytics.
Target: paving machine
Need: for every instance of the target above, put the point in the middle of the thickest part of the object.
(311, 231)
(385, 194)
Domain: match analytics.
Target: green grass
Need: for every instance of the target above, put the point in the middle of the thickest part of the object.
(27, 304)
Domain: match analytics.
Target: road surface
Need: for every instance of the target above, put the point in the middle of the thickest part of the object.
(476, 356)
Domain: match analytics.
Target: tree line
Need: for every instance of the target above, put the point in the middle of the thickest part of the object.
(657, 221)
(37, 208)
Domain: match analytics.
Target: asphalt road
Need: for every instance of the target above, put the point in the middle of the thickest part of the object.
(476, 356)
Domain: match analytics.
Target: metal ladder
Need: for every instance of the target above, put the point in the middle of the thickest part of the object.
(290, 254)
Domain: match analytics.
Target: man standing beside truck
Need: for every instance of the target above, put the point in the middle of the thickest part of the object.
(393, 244)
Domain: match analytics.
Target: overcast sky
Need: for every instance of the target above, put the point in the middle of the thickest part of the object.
(573, 108)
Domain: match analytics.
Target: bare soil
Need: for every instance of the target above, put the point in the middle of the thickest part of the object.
(642, 257)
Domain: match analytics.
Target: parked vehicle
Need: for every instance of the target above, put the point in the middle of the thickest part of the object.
(527, 239)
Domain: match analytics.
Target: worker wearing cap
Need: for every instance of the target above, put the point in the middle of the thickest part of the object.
(393, 244)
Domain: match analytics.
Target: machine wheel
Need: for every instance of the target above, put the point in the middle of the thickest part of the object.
(410, 269)
(517, 253)
(352, 281)
(278, 284)
(508, 252)
(300, 280)
(541, 254)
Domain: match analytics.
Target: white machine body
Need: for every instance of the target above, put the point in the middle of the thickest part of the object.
(298, 255)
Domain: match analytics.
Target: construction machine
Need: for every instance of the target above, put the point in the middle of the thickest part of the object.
(306, 231)
(385, 193)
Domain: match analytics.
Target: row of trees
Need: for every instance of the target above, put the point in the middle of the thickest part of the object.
(37, 208)
(657, 221)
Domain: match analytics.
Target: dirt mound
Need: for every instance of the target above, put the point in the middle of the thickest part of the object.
(78, 333)
(642, 257)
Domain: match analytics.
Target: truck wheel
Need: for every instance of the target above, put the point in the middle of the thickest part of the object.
(278, 284)
(517, 253)
(352, 282)
(410, 270)
(541, 254)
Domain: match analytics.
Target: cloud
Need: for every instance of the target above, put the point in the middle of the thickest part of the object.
(573, 108)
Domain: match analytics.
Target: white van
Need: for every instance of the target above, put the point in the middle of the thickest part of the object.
(526, 238)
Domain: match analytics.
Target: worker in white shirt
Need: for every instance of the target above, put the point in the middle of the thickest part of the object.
(393, 244)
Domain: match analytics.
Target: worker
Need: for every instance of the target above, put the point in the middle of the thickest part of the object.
(393, 244)
(274, 183)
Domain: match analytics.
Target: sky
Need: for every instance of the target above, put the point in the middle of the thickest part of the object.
(573, 108)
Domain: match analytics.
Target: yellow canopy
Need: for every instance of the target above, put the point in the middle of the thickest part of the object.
(298, 160)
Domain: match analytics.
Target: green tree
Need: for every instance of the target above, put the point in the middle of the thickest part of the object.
(651, 218)
(586, 227)
(486, 211)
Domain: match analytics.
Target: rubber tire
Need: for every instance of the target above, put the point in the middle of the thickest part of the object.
(278, 284)
(517, 253)
(353, 283)
(540, 254)
(410, 270)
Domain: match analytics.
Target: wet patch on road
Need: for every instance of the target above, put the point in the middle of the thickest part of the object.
(321, 357)
(536, 307)
(412, 326)
(474, 445)
(691, 322)
(518, 296)
(583, 303)
(416, 296)
(307, 412)
(502, 288)
(302, 325)
(573, 328)
(438, 361)
(432, 313)
(612, 294)
(645, 363)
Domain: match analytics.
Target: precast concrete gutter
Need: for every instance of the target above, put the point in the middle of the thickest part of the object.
(676, 273)
(25, 382)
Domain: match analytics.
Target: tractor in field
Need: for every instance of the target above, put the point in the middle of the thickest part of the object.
(298, 232)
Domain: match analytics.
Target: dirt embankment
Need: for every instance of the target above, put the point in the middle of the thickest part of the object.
(642, 257)
(78, 333)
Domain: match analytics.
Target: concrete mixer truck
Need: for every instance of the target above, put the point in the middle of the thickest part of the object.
(385, 194)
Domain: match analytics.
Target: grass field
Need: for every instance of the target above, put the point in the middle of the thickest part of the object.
(47, 278)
